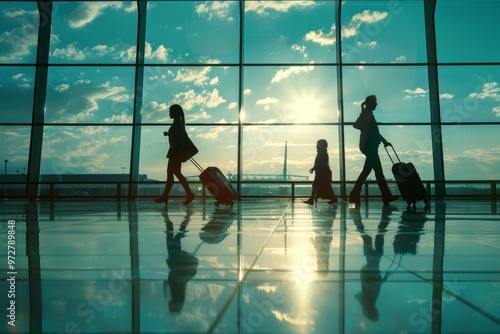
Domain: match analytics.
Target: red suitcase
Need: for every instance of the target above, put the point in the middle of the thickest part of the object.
(410, 185)
(216, 182)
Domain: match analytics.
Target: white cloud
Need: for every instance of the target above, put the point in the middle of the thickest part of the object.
(262, 7)
(89, 11)
(62, 88)
(293, 319)
(300, 49)
(349, 31)
(189, 100)
(365, 17)
(283, 74)
(113, 140)
(214, 81)
(319, 37)
(130, 54)
(370, 45)
(400, 59)
(361, 67)
(132, 8)
(247, 91)
(81, 101)
(18, 42)
(197, 76)
(232, 105)
(90, 131)
(155, 111)
(161, 53)
(418, 92)
(201, 115)
(121, 98)
(215, 9)
(268, 100)
(214, 99)
(213, 133)
(447, 96)
(489, 90)
(369, 17)
(496, 111)
(70, 52)
(121, 118)
(102, 50)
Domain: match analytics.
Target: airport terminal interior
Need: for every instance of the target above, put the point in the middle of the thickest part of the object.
(86, 89)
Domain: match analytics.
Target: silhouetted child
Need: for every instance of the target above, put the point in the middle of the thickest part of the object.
(323, 175)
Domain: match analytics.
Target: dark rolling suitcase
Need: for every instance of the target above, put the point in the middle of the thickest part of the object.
(217, 184)
(410, 185)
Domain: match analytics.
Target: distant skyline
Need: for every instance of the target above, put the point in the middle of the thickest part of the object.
(289, 78)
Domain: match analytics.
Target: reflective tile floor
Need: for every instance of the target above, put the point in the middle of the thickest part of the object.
(261, 266)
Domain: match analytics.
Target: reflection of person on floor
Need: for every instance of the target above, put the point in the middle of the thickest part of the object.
(182, 264)
(216, 229)
(371, 278)
(322, 242)
(322, 187)
(408, 234)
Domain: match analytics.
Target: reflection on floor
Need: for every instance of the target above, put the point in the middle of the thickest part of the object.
(262, 266)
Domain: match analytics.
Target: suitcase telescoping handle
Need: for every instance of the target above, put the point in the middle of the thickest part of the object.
(390, 155)
(196, 164)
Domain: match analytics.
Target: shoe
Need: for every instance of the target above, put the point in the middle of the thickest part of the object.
(161, 200)
(390, 199)
(310, 201)
(333, 200)
(354, 199)
(189, 199)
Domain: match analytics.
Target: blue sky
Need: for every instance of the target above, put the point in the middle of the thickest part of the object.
(276, 33)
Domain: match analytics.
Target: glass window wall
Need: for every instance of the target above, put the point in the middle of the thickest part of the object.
(208, 94)
(402, 92)
(383, 32)
(250, 79)
(191, 32)
(293, 94)
(93, 32)
(469, 94)
(16, 94)
(90, 94)
(300, 32)
(465, 34)
(86, 150)
(18, 32)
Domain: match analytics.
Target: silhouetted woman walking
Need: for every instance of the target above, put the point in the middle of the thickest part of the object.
(369, 141)
(177, 139)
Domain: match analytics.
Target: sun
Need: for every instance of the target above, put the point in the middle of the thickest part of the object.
(307, 106)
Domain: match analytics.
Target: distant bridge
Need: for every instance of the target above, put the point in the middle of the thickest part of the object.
(260, 177)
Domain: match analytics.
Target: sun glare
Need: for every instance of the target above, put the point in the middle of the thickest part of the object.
(307, 107)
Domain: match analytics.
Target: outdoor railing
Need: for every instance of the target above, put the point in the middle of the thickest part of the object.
(249, 189)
